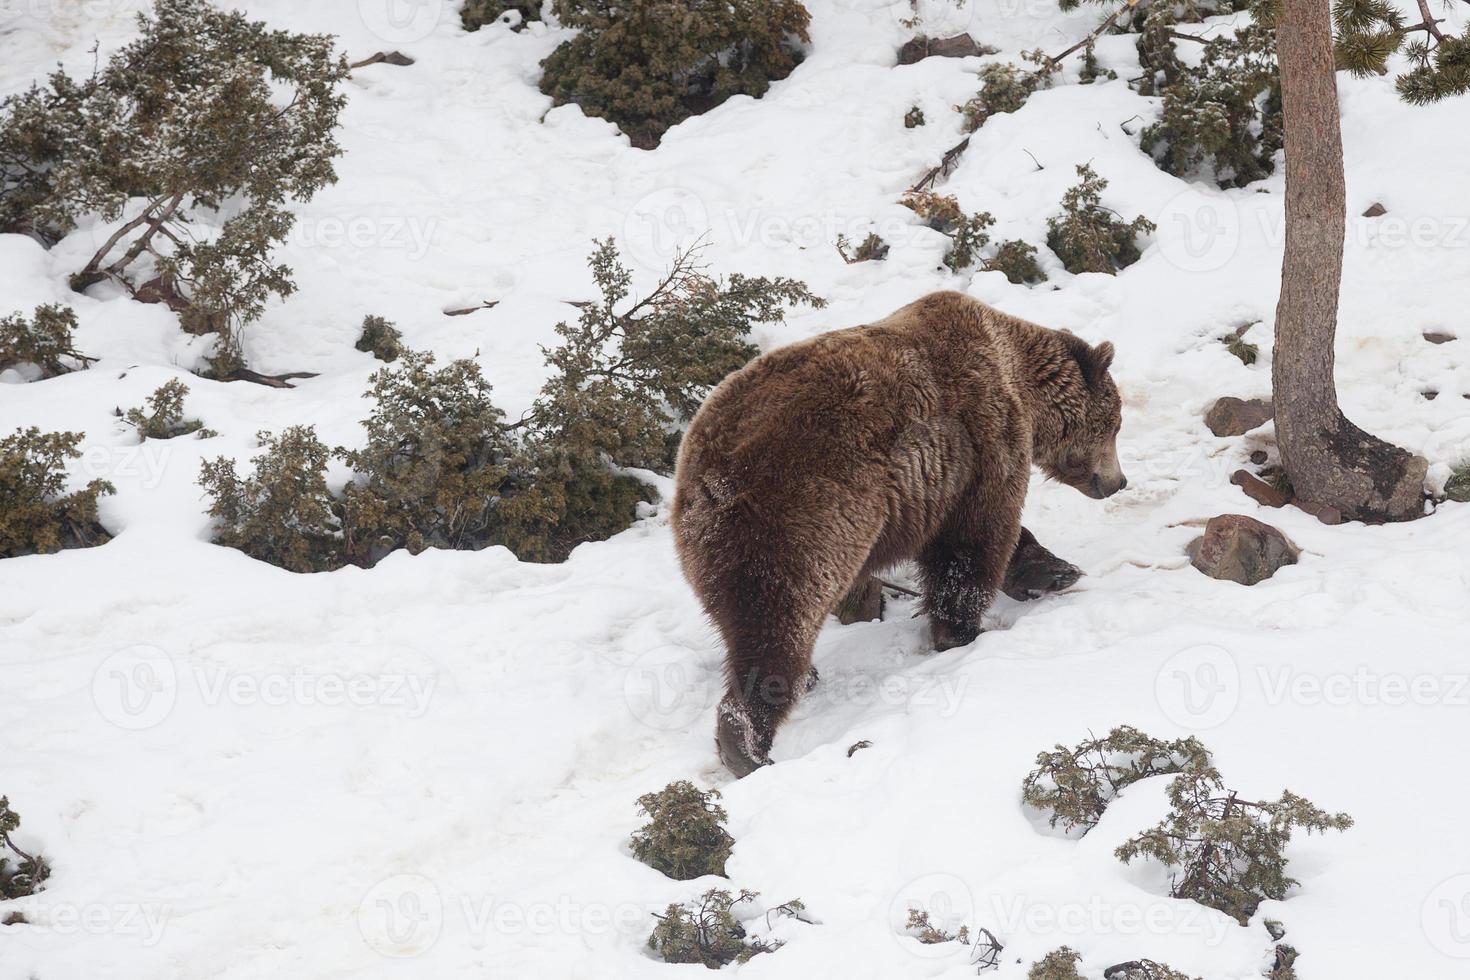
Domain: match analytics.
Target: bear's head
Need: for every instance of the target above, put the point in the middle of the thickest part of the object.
(1081, 450)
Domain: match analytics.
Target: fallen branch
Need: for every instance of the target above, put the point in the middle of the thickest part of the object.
(269, 380)
(1052, 64)
(898, 588)
(946, 164)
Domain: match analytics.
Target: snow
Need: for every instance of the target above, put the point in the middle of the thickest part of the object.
(428, 769)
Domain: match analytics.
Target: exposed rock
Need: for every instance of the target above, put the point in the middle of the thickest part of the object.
(1259, 490)
(958, 46)
(1259, 457)
(1430, 395)
(1241, 549)
(1438, 336)
(488, 304)
(1374, 210)
(397, 58)
(862, 604)
(1231, 416)
(1325, 513)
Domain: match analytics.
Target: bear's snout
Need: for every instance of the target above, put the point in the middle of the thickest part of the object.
(1104, 487)
(1107, 476)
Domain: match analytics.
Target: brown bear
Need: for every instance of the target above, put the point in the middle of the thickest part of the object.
(911, 438)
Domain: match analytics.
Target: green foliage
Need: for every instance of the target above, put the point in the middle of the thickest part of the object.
(44, 340)
(1017, 259)
(1076, 785)
(987, 948)
(37, 516)
(1223, 851)
(929, 934)
(1144, 970)
(649, 64)
(435, 462)
(1091, 70)
(914, 118)
(283, 513)
(205, 119)
(1156, 56)
(164, 418)
(707, 933)
(1369, 32)
(1004, 88)
(1059, 964)
(475, 14)
(1283, 964)
(1457, 487)
(442, 469)
(943, 214)
(1088, 237)
(380, 338)
(1222, 118)
(622, 378)
(556, 500)
(685, 835)
(24, 877)
(870, 249)
(1441, 70)
(1241, 348)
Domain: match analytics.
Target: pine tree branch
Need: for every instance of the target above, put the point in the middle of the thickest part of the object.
(1430, 24)
(1052, 64)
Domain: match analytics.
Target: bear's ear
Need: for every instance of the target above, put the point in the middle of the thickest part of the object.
(1095, 362)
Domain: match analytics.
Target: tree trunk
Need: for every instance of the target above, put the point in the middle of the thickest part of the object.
(1330, 461)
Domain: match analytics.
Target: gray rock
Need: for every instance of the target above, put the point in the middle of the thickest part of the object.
(958, 46)
(1241, 549)
(1232, 416)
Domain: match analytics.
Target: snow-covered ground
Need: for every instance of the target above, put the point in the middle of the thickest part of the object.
(428, 769)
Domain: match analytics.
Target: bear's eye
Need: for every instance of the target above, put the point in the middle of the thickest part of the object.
(1073, 467)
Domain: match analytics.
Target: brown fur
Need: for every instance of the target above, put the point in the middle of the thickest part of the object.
(910, 438)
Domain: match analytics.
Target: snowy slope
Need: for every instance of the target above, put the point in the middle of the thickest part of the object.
(428, 769)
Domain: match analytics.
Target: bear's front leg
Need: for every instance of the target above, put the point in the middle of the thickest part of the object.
(963, 569)
(1034, 571)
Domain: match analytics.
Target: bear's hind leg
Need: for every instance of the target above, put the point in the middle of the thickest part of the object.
(769, 668)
